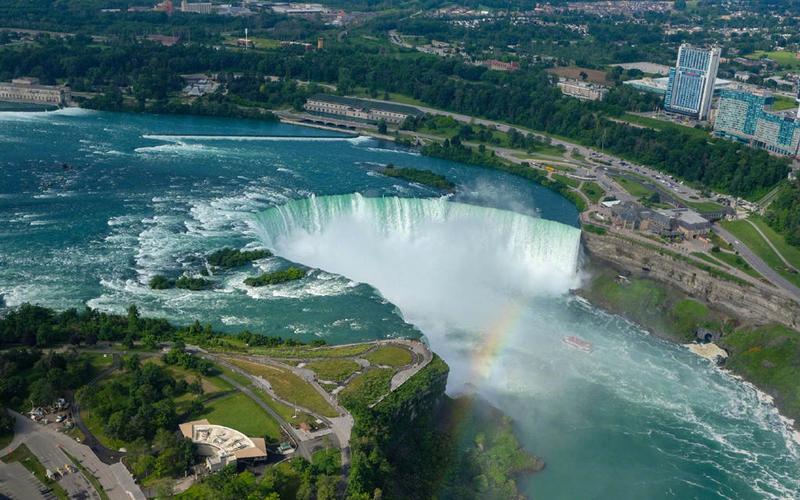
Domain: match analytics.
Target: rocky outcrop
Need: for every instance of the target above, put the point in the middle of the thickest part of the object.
(752, 303)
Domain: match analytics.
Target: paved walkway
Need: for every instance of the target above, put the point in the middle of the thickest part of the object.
(49, 446)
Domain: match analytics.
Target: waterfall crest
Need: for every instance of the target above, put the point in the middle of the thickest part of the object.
(540, 247)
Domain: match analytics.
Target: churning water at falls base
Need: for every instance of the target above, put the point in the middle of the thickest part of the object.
(489, 289)
(143, 195)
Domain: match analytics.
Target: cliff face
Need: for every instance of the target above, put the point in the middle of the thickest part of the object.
(752, 304)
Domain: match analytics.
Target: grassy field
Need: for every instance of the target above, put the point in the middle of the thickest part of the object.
(24, 456)
(782, 103)
(789, 252)
(258, 42)
(239, 412)
(366, 388)
(663, 125)
(737, 262)
(747, 234)
(99, 361)
(404, 99)
(390, 355)
(569, 181)
(336, 370)
(702, 206)
(211, 385)
(289, 387)
(650, 304)
(768, 358)
(593, 191)
(574, 72)
(288, 413)
(634, 187)
(784, 58)
(306, 352)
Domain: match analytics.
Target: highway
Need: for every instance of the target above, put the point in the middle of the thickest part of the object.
(659, 178)
(759, 265)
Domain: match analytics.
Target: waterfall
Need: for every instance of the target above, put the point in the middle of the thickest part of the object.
(532, 248)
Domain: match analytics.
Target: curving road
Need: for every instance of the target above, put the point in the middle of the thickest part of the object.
(788, 289)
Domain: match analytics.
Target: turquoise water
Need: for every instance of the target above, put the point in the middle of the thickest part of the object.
(484, 276)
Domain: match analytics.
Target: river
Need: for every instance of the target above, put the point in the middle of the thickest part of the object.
(92, 205)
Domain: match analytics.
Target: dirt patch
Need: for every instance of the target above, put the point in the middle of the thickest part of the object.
(574, 73)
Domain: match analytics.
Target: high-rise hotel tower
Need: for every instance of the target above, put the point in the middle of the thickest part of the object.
(691, 81)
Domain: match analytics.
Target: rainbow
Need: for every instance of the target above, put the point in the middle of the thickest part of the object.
(485, 356)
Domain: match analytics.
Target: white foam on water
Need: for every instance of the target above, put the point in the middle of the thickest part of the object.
(178, 148)
(43, 115)
(456, 271)
(245, 138)
(392, 150)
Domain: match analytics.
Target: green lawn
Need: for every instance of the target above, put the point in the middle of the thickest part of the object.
(649, 303)
(24, 456)
(336, 370)
(593, 191)
(258, 42)
(782, 103)
(404, 99)
(99, 361)
(784, 58)
(569, 181)
(634, 187)
(747, 234)
(239, 412)
(736, 261)
(390, 355)
(306, 352)
(789, 252)
(288, 413)
(289, 387)
(769, 358)
(366, 388)
(663, 125)
(702, 206)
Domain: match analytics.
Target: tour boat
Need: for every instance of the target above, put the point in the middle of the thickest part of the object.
(578, 343)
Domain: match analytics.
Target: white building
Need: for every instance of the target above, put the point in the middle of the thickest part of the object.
(691, 82)
(222, 445)
(28, 90)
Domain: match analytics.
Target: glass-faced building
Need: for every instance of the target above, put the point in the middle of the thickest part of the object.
(742, 116)
(691, 82)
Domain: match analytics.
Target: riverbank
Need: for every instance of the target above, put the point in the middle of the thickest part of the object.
(762, 353)
(758, 351)
(466, 155)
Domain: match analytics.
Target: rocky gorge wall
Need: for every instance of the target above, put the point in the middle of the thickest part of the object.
(755, 304)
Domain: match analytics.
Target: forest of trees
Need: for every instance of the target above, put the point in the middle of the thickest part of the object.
(784, 213)
(526, 98)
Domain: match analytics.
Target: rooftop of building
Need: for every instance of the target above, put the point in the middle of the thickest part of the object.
(27, 83)
(366, 104)
(227, 441)
(684, 215)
